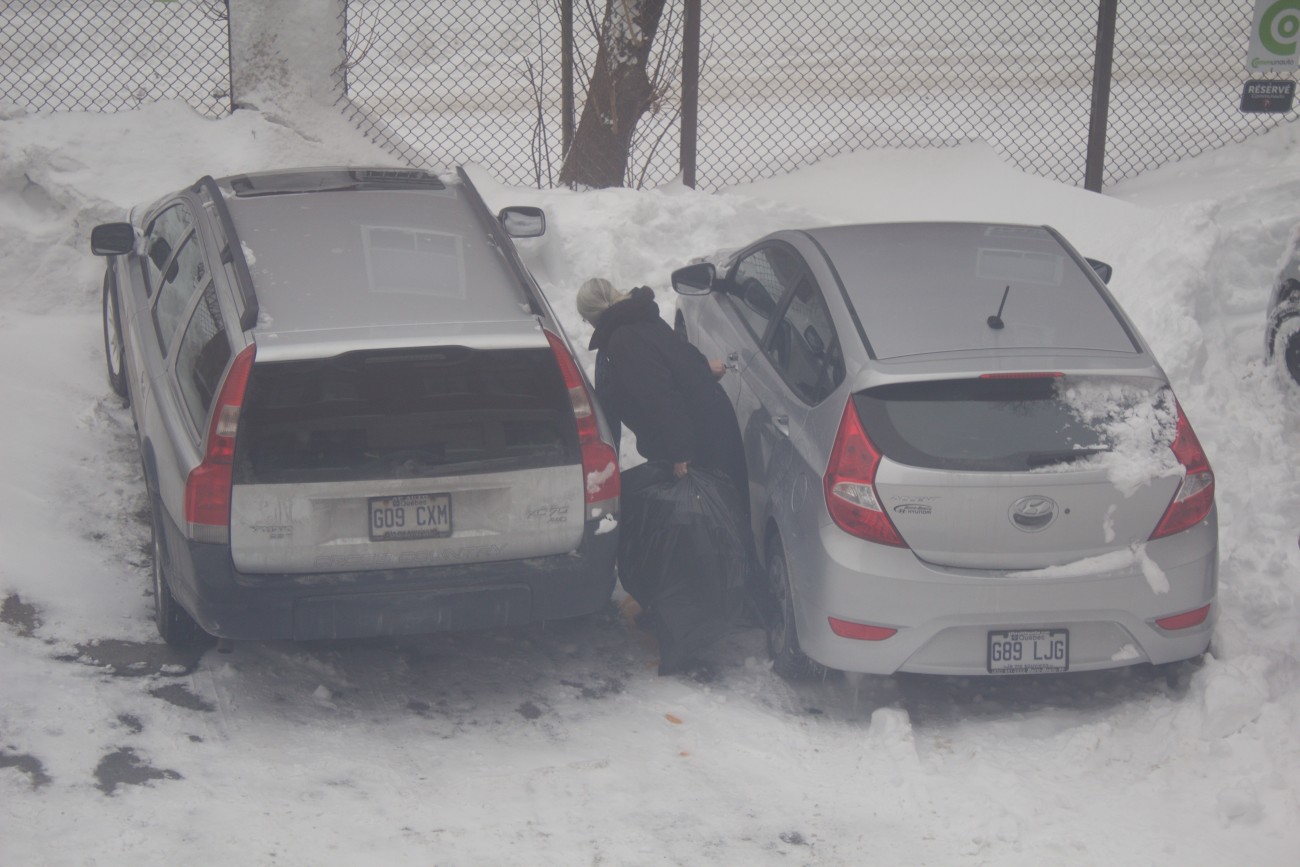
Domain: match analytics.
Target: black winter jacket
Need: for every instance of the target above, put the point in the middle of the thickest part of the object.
(663, 390)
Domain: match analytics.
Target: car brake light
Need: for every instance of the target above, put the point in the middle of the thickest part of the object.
(599, 460)
(860, 631)
(1195, 495)
(850, 484)
(207, 489)
(1185, 620)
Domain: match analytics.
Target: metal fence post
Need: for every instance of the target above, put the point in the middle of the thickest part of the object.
(690, 89)
(1092, 174)
(566, 76)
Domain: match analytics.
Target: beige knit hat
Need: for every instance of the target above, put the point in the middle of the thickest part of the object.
(595, 296)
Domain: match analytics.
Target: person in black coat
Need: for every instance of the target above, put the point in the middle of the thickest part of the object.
(660, 386)
(689, 576)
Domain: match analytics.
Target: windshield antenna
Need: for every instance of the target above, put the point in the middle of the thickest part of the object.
(995, 321)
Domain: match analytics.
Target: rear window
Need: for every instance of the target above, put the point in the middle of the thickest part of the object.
(1039, 423)
(404, 414)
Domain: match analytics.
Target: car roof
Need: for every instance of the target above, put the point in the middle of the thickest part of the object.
(924, 288)
(345, 258)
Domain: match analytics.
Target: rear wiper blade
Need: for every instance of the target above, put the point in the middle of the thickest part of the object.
(1043, 459)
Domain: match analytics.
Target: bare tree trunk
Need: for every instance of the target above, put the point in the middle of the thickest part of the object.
(619, 94)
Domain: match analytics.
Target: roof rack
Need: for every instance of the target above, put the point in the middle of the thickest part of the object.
(233, 254)
(532, 292)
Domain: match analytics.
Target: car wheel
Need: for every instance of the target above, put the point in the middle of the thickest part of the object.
(1287, 351)
(174, 623)
(788, 660)
(114, 350)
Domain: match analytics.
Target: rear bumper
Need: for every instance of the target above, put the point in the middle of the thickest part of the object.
(232, 604)
(944, 617)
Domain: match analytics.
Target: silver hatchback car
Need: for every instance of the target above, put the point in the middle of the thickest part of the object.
(963, 457)
(356, 412)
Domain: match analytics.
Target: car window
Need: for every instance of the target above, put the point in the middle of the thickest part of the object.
(202, 356)
(404, 414)
(1017, 424)
(759, 281)
(804, 347)
(162, 237)
(184, 276)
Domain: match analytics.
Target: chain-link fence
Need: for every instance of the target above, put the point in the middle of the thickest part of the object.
(1178, 74)
(127, 52)
(459, 82)
(784, 83)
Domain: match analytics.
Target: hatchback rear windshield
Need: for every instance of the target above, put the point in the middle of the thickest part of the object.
(404, 414)
(1023, 424)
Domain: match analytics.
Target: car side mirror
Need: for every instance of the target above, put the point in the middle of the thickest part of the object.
(695, 279)
(522, 221)
(1103, 270)
(112, 239)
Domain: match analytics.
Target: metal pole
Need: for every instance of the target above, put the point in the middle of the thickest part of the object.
(230, 59)
(566, 76)
(1092, 175)
(690, 89)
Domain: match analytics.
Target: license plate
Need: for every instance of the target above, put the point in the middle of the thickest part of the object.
(412, 516)
(1029, 651)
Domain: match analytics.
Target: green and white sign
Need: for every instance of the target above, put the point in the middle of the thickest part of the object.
(1274, 36)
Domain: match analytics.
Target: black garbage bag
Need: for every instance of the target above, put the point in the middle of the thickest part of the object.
(682, 556)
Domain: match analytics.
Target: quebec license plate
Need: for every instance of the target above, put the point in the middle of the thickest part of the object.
(411, 516)
(1029, 651)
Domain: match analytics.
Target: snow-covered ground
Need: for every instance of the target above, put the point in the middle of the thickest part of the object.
(560, 745)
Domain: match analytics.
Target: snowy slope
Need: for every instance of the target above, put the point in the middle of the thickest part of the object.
(559, 745)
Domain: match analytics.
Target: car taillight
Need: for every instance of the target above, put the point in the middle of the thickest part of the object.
(1185, 620)
(599, 460)
(207, 489)
(850, 484)
(1195, 495)
(860, 631)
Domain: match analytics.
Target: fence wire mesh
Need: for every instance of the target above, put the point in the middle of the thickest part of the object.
(459, 82)
(1178, 74)
(128, 52)
(783, 83)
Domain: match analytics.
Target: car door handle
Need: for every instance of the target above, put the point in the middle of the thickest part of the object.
(733, 361)
(782, 424)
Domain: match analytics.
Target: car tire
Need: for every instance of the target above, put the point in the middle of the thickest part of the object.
(174, 623)
(1286, 350)
(788, 660)
(114, 349)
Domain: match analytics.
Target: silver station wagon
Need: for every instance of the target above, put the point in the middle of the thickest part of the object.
(357, 413)
(963, 457)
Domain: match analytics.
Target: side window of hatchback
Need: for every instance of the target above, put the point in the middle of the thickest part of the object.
(162, 238)
(202, 356)
(804, 346)
(758, 283)
(186, 274)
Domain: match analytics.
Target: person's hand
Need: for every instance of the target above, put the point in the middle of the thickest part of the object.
(679, 469)
(717, 367)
